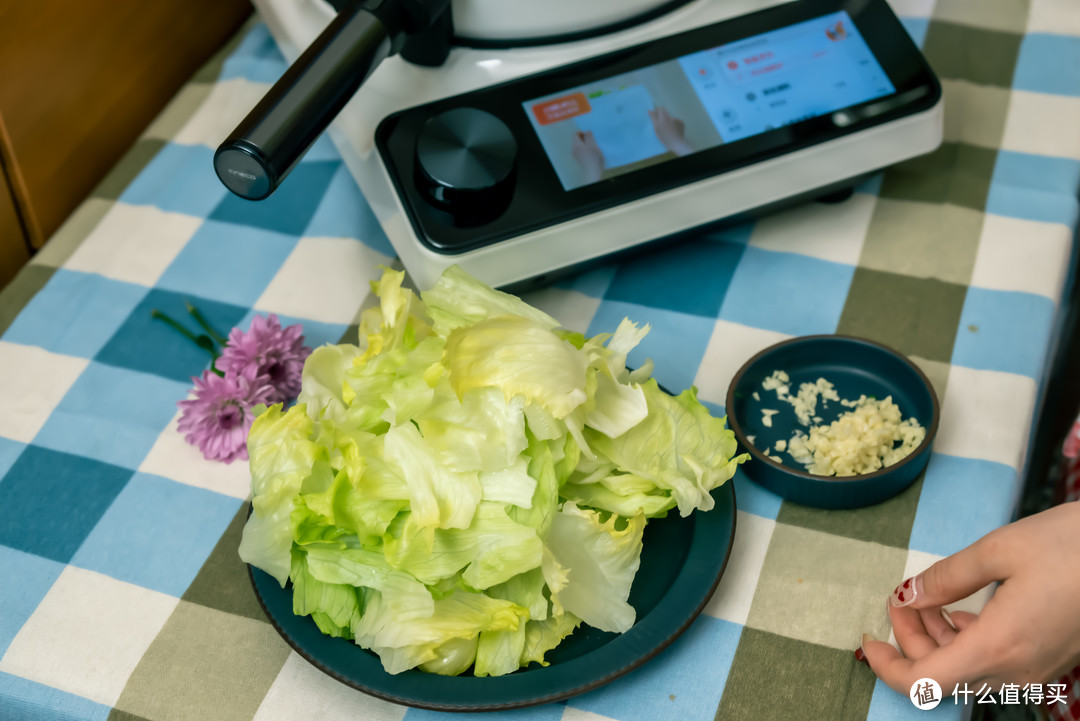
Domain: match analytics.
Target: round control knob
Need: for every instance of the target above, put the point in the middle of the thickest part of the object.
(466, 160)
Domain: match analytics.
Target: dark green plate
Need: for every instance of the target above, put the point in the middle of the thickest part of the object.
(855, 366)
(682, 560)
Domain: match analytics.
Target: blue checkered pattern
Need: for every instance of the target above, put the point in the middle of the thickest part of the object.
(111, 526)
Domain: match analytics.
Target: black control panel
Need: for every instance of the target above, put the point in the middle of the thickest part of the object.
(493, 164)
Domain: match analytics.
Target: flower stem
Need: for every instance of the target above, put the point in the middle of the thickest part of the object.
(205, 324)
(203, 341)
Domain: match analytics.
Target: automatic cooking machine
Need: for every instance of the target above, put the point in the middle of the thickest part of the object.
(518, 138)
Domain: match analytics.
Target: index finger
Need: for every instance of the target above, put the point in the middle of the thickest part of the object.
(963, 660)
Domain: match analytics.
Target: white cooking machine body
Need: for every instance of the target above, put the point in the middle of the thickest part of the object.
(500, 41)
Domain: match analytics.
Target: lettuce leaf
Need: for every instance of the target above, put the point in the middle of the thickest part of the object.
(600, 563)
(680, 448)
(519, 357)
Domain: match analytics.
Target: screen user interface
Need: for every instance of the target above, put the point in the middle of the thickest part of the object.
(699, 101)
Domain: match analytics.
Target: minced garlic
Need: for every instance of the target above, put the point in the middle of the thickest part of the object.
(868, 438)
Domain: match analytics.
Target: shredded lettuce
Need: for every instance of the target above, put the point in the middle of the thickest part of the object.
(469, 483)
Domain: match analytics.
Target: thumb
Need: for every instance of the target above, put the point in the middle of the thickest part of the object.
(952, 578)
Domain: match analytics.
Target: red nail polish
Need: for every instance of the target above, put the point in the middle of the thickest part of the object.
(905, 593)
(859, 655)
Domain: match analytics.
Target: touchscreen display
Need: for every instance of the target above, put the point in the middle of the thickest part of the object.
(699, 101)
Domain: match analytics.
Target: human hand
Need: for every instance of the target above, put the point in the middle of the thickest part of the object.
(670, 131)
(1029, 631)
(589, 156)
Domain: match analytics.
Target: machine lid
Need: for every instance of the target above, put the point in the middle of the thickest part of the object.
(520, 23)
(485, 23)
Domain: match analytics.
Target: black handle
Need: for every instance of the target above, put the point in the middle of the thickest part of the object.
(257, 156)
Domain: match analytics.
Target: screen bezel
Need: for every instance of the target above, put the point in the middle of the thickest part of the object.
(539, 198)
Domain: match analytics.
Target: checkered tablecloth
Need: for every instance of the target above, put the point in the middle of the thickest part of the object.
(121, 593)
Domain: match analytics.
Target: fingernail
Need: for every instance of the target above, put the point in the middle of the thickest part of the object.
(860, 655)
(948, 619)
(906, 593)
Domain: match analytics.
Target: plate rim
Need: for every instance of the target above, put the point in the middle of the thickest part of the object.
(671, 635)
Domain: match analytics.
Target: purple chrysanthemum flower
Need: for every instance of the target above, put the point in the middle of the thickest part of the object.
(217, 419)
(275, 353)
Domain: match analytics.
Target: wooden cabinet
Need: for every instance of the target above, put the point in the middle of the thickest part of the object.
(79, 82)
(14, 247)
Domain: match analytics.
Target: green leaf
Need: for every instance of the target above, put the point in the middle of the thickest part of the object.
(679, 447)
(542, 636)
(493, 549)
(334, 606)
(458, 300)
(281, 457)
(461, 616)
(519, 356)
(599, 561)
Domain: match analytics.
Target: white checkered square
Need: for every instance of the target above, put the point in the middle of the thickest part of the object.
(88, 634)
(174, 458)
(228, 103)
(32, 384)
(974, 113)
(1022, 255)
(1059, 17)
(323, 279)
(574, 310)
(134, 244)
(302, 692)
(1043, 124)
(576, 714)
(730, 346)
(980, 415)
(912, 8)
(735, 594)
(177, 113)
(833, 232)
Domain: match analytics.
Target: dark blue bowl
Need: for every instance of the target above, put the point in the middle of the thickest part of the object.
(855, 367)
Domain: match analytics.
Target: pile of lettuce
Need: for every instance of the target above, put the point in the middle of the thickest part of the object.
(472, 483)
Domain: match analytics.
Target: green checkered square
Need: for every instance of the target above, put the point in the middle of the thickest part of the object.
(824, 589)
(923, 240)
(777, 677)
(955, 173)
(223, 583)
(1008, 16)
(936, 371)
(915, 316)
(205, 664)
(962, 52)
(975, 114)
(118, 715)
(887, 523)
